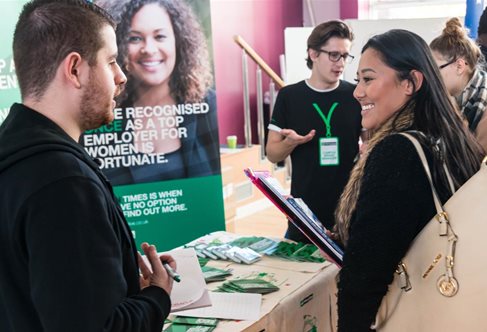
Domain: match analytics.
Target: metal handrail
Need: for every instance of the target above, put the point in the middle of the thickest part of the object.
(275, 79)
(258, 60)
(260, 114)
(246, 101)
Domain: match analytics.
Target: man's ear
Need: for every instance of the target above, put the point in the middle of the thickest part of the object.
(72, 69)
(313, 54)
(416, 77)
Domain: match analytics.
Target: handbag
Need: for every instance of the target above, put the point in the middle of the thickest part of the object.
(441, 283)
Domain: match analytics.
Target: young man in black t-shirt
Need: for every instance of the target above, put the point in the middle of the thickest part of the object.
(317, 123)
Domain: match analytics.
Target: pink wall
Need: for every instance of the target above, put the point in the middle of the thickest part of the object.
(261, 23)
(349, 9)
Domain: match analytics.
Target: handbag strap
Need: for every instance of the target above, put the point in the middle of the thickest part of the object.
(448, 285)
(448, 176)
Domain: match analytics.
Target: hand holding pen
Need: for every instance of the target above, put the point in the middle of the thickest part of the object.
(156, 274)
(173, 274)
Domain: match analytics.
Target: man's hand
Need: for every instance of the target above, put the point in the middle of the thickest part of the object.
(293, 139)
(281, 143)
(156, 274)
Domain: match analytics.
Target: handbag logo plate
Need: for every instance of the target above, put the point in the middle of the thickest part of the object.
(447, 286)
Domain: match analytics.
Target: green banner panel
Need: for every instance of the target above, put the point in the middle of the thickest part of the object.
(171, 213)
(9, 90)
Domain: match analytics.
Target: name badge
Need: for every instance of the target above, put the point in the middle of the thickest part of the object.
(329, 155)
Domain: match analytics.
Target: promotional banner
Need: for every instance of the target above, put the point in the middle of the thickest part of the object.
(9, 89)
(161, 152)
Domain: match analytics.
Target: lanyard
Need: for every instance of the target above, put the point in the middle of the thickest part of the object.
(326, 119)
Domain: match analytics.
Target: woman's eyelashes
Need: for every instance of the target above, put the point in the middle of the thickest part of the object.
(365, 79)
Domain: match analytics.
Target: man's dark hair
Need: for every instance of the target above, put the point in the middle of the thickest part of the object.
(46, 32)
(323, 32)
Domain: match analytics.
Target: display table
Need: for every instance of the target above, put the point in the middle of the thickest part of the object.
(306, 300)
(301, 304)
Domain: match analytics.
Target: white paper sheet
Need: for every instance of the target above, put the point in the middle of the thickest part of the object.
(240, 306)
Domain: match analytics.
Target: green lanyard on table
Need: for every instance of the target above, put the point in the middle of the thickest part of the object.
(326, 119)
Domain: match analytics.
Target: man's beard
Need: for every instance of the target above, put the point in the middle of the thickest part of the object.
(96, 106)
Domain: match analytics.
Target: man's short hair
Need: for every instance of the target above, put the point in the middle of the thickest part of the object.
(46, 32)
(323, 32)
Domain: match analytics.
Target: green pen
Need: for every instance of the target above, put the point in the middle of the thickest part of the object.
(173, 274)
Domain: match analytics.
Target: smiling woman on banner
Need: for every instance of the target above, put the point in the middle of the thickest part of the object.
(388, 199)
(168, 105)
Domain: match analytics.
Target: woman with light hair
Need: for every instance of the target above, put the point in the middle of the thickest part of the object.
(460, 60)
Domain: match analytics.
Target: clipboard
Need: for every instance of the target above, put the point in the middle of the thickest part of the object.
(298, 213)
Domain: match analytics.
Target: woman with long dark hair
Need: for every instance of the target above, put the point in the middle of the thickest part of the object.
(388, 200)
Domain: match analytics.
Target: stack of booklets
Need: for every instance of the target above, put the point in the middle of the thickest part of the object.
(297, 251)
(255, 285)
(259, 244)
(192, 324)
(298, 213)
(212, 274)
(227, 252)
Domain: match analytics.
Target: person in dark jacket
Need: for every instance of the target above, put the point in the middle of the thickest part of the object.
(69, 262)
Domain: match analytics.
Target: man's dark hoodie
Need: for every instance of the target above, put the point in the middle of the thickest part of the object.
(68, 259)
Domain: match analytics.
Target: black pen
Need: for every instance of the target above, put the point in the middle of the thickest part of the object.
(173, 274)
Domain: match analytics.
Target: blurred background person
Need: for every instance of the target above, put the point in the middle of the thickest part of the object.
(458, 59)
(482, 35)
